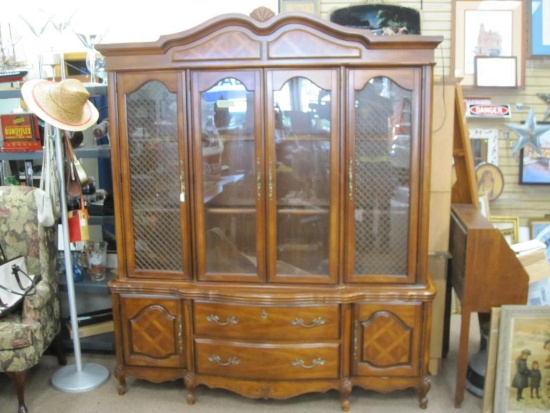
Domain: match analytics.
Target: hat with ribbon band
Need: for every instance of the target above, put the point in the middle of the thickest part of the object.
(64, 104)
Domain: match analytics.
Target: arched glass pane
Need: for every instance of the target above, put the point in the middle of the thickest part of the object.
(302, 150)
(229, 178)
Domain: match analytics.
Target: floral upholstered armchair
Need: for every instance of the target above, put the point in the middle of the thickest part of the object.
(26, 334)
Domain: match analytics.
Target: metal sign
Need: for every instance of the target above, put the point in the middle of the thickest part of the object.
(488, 110)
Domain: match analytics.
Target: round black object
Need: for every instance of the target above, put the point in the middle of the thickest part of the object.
(76, 139)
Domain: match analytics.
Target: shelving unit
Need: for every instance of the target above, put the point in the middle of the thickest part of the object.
(87, 287)
(96, 293)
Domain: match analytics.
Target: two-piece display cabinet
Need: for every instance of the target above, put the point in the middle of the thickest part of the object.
(271, 181)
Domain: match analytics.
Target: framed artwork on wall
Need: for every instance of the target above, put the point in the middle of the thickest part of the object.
(488, 28)
(490, 181)
(534, 167)
(539, 36)
(484, 145)
(508, 226)
(495, 71)
(523, 343)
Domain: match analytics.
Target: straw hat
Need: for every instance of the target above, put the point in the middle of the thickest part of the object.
(64, 104)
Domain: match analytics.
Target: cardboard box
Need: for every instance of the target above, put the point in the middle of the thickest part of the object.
(20, 132)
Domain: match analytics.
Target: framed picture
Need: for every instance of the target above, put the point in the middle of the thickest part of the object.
(490, 181)
(493, 71)
(484, 206)
(508, 226)
(533, 166)
(523, 345)
(540, 229)
(484, 144)
(488, 28)
(540, 41)
(75, 66)
(490, 371)
(308, 6)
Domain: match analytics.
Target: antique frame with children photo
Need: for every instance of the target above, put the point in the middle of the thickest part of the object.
(523, 362)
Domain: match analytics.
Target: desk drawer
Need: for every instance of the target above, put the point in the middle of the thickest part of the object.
(267, 361)
(315, 322)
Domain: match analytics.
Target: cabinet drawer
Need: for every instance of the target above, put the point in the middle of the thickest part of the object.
(267, 322)
(267, 361)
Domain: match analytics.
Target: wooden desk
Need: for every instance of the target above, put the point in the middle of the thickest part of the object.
(484, 273)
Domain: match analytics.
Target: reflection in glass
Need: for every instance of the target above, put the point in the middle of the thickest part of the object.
(154, 177)
(382, 158)
(302, 113)
(229, 177)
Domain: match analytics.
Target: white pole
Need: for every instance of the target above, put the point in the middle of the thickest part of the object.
(66, 243)
(77, 378)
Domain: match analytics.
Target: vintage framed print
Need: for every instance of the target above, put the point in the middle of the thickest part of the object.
(495, 71)
(484, 144)
(539, 22)
(523, 345)
(533, 166)
(508, 226)
(488, 28)
(490, 181)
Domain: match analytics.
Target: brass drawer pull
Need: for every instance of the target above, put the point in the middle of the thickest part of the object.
(218, 360)
(215, 319)
(319, 321)
(315, 362)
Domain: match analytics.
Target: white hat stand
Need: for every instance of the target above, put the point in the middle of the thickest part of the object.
(75, 378)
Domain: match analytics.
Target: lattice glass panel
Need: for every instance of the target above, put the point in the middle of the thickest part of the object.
(155, 177)
(382, 158)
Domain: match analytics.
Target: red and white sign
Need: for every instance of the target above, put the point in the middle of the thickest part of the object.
(488, 110)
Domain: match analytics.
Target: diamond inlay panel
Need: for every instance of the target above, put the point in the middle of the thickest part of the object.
(386, 342)
(153, 332)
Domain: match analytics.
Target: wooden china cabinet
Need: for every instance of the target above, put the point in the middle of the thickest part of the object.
(271, 195)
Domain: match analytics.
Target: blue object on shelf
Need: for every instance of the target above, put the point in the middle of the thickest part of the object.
(78, 274)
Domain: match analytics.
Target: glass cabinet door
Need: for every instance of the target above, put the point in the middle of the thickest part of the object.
(382, 163)
(228, 179)
(301, 166)
(153, 179)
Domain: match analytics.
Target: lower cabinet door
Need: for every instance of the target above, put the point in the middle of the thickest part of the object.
(387, 339)
(152, 331)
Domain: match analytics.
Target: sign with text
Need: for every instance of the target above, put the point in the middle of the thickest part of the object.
(20, 132)
(488, 110)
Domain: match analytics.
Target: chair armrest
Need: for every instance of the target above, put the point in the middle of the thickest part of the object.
(33, 304)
